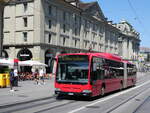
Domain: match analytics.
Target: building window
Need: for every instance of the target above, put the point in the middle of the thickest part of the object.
(64, 16)
(94, 36)
(25, 22)
(25, 36)
(86, 34)
(50, 24)
(49, 38)
(76, 32)
(64, 28)
(93, 27)
(75, 43)
(50, 10)
(64, 40)
(75, 19)
(79, 25)
(100, 48)
(25, 7)
(85, 44)
(93, 46)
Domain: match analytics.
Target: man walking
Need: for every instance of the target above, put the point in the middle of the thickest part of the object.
(41, 73)
(11, 79)
(15, 77)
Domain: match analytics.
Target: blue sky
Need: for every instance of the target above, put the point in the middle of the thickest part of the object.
(136, 12)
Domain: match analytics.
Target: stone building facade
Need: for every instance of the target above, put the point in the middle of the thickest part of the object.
(39, 29)
(129, 41)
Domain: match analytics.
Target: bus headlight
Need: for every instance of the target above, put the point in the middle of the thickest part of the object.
(86, 91)
(57, 89)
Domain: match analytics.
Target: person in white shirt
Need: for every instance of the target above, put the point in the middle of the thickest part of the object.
(41, 74)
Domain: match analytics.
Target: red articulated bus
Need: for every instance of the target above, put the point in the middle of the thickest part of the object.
(92, 74)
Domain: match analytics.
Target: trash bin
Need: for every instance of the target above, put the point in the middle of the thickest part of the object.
(2, 80)
(7, 79)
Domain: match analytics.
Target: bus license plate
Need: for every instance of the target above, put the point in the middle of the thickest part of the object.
(70, 94)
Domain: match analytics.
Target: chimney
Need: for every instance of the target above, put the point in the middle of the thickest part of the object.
(73, 2)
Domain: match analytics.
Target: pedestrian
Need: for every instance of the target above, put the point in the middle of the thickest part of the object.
(41, 74)
(15, 77)
(50, 76)
(11, 79)
(33, 73)
(36, 76)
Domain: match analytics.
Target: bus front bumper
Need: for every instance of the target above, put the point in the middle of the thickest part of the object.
(88, 94)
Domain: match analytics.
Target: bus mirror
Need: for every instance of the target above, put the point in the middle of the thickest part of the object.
(91, 82)
(54, 59)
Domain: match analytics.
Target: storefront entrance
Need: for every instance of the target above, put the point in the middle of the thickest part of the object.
(49, 60)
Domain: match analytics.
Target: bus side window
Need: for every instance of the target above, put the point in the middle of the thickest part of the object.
(97, 71)
(94, 72)
(106, 70)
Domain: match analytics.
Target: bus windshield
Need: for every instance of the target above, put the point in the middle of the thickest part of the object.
(72, 69)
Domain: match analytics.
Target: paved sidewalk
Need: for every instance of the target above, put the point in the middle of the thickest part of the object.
(141, 74)
(26, 91)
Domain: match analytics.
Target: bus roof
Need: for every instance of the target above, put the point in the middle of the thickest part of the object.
(126, 61)
(110, 56)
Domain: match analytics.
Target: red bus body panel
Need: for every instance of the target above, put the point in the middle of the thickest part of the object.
(72, 87)
(112, 84)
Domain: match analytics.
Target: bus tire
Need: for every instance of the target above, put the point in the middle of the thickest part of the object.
(133, 82)
(102, 91)
(121, 87)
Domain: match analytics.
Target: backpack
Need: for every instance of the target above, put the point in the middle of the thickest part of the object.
(11, 75)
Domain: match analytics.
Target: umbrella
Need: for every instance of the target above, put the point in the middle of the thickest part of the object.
(31, 63)
(6, 62)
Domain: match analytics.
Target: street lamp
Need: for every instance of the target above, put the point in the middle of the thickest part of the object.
(2, 5)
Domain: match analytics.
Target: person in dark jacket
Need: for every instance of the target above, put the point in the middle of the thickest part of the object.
(11, 79)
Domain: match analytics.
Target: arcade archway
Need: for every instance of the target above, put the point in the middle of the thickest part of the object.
(25, 54)
(49, 60)
(4, 54)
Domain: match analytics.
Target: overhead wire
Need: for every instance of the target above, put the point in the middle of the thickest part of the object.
(136, 16)
(135, 13)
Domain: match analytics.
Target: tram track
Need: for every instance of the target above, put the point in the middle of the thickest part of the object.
(127, 100)
(35, 104)
(116, 106)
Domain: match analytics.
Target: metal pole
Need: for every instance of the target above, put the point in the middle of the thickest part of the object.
(1, 27)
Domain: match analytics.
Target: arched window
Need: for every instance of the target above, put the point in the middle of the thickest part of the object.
(4, 54)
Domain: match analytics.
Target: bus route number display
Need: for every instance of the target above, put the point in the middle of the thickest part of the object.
(80, 58)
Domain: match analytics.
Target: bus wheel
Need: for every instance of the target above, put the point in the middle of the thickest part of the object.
(121, 87)
(133, 82)
(102, 91)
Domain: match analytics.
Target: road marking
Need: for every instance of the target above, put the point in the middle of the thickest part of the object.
(107, 98)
